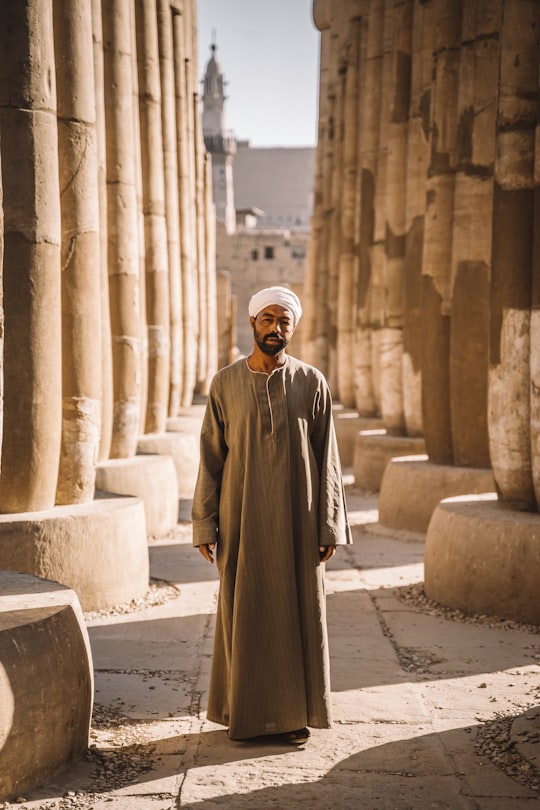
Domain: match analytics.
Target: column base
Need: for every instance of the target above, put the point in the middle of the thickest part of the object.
(372, 452)
(150, 478)
(183, 448)
(98, 549)
(483, 559)
(348, 424)
(189, 420)
(412, 487)
(46, 682)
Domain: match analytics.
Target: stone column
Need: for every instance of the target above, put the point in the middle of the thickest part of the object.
(535, 319)
(189, 288)
(141, 249)
(335, 168)
(202, 268)
(381, 365)
(192, 84)
(399, 21)
(366, 360)
(81, 295)
(199, 160)
(192, 81)
(155, 227)
(32, 338)
(210, 252)
(123, 252)
(417, 169)
(322, 312)
(171, 203)
(513, 241)
(106, 347)
(224, 318)
(437, 254)
(1, 300)
(309, 296)
(325, 157)
(346, 311)
(471, 239)
(314, 344)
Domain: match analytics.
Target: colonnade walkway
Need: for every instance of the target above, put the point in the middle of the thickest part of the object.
(432, 710)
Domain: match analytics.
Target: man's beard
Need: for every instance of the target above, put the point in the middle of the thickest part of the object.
(270, 349)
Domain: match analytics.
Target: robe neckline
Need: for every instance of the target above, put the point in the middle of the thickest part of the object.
(266, 373)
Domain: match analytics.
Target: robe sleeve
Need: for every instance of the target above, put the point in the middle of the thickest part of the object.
(213, 452)
(334, 526)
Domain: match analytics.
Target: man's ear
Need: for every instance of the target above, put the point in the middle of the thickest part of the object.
(252, 321)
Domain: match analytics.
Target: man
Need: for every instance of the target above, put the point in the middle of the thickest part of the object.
(269, 503)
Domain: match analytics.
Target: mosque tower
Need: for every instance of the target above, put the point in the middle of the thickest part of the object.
(219, 142)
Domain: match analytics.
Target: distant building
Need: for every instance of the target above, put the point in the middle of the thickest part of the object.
(278, 180)
(264, 200)
(219, 142)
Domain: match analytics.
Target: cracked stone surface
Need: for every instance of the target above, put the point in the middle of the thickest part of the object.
(433, 709)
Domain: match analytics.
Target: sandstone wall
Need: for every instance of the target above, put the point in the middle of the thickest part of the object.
(422, 286)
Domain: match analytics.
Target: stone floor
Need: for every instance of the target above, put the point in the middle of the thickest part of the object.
(432, 709)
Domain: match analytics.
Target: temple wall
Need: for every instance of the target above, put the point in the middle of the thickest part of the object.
(435, 199)
(442, 263)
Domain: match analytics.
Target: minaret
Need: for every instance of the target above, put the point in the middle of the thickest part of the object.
(218, 141)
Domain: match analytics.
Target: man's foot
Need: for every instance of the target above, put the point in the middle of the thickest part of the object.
(298, 737)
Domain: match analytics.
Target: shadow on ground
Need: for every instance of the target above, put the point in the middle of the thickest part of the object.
(439, 770)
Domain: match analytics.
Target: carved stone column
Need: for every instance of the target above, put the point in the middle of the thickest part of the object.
(437, 255)
(382, 351)
(192, 83)
(210, 252)
(367, 378)
(168, 111)
(417, 170)
(334, 168)
(346, 310)
(141, 247)
(32, 341)
(513, 241)
(535, 320)
(81, 296)
(187, 242)
(1, 302)
(123, 251)
(399, 21)
(202, 267)
(314, 348)
(155, 227)
(471, 240)
(106, 347)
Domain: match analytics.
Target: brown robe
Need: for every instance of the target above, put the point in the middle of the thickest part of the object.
(269, 492)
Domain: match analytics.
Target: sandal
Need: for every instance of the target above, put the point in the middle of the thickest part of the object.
(298, 737)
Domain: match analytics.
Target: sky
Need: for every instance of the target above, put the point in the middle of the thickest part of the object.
(268, 51)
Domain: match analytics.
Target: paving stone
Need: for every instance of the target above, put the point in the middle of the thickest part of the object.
(417, 695)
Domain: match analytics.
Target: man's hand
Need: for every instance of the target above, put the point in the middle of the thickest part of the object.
(207, 551)
(326, 552)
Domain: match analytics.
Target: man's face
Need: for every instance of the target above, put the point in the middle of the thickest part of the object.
(273, 329)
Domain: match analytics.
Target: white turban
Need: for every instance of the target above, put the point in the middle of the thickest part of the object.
(270, 296)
